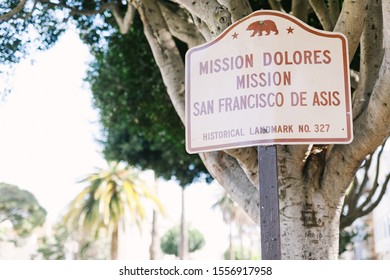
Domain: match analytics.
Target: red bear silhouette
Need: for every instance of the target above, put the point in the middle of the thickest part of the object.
(264, 25)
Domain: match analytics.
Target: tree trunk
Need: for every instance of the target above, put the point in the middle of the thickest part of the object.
(154, 249)
(310, 208)
(114, 243)
(309, 223)
(242, 249)
(231, 249)
(183, 246)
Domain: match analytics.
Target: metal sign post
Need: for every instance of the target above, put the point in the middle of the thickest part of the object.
(269, 203)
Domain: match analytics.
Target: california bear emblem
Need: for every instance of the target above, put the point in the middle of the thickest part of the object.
(258, 27)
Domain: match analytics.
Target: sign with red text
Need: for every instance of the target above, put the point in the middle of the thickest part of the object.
(268, 79)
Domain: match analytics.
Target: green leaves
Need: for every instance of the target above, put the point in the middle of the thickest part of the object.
(140, 124)
(112, 195)
(21, 209)
(170, 241)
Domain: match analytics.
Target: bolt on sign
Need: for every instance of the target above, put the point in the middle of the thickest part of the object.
(268, 79)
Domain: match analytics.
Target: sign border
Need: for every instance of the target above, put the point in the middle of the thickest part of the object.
(287, 141)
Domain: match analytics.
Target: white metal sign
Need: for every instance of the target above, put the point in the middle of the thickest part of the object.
(268, 79)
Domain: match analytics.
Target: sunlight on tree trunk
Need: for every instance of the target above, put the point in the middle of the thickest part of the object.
(154, 248)
(183, 245)
(114, 244)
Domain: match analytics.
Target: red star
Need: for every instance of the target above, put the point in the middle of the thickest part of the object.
(235, 35)
(290, 30)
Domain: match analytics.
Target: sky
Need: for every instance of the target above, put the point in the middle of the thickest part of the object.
(48, 126)
(48, 140)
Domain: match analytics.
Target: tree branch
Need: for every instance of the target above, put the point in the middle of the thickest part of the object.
(334, 10)
(126, 21)
(299, 9)
(355, 191)
(375, 183)
(14, 11)
(32, 10)
(322, 13)
(202, 27)
(276, 5)
(216, 16)
(164, 50)
(180, 25)
(372, 127)
(371, 200)
(371, 55)
(359, 188)
(247, 159)
(237, 8)
(350, 23)
(354, 78)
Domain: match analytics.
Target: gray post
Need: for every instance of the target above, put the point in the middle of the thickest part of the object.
(269, 203)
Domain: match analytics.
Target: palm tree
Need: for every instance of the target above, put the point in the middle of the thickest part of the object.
(154, 248)
(229, 209)
(232, 214)
(112, 197)
(183, 245)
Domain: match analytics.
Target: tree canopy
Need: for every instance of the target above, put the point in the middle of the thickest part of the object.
(140, 124)
(113, 197)
(21, 209)
(171, 239)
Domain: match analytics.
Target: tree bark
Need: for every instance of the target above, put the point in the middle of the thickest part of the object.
(231, 248)
(322, 13)
(309, 222)
(371, 53)
(309, 211)
(114, 243)
(154, 249)
(350, 23)
(14, 11)
(299, 9)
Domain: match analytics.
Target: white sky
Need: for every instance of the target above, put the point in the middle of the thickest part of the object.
(48, 133)
(47, 125)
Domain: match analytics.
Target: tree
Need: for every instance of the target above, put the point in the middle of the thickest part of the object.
(229, 210)
(140, 126)
(154, 248)
(134, 133)
(52, 247)
(170, 241)
(184, 238)
(313, 180)
(232, 214)
(112, 197)
(364, 194)
(63, 244)
(21, 209)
